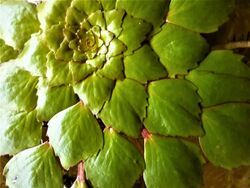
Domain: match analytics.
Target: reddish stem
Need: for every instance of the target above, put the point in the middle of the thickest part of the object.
(80, 172)
(145, 134)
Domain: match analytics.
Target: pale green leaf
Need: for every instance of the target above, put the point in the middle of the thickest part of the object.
(18, 131)
(221, 78)
(74, 134)
(133, 33)
(118, 164)
(144, 65)
(179, 49)
(152, 11)
(172, 163)
(6, 52)
(227, 139)
(33, 56)
(35, 167)
(173, 108)
(18, 22)
(52, 100)
(94, 91)
(17, 88)
(126, 108)
(203, 16)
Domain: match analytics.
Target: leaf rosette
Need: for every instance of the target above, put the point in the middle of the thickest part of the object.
(103, 75)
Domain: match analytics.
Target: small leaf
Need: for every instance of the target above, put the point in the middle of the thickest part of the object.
(7, 52)
(172, 44)
(222, 77)
(94, 91)
(35, 167)
(125, 110)
(20, 125)
(172, 162)
(196, 14)
(52, 100)
(133, 33)
(18, 22)
(227, 139)
(17, 88)
(143, 65)
(75, 135)
(151, 11)
(79, 184)
(173, 108)
(118, 164)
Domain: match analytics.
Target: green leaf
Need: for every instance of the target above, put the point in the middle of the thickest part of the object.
(125, 110)
(52, 100)
(221, 78)
(17, 88)
(20, 125)
(173, 108)
(133, 33)
(227, 138)
(88, 7)
(172, 44)
(172, 162)
(113, 68)
(33, 56)
(7, 52)
(116, 47)
(144, 65)
(18, 22)
(114, 20)
(52, 12)
(35, 167)
(203, 16)
(118, 164)
(75, 135)
(79, 184)
(152, 11)
(94, 91)
(108, 4)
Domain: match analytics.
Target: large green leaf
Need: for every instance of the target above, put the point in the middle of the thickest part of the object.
(202, 16)
(227, 139)
(222, 77)
(152, 11)
(75, 135)
(126, 108)
(144, 65)
(172, 163)
(35, 167)
(173, 108)
(7, 52)
(17, 88)
(179, 49)
(118, 164)
(33, 56)
(94, 91)
(18, 22)
(20, 125)
(52, 100)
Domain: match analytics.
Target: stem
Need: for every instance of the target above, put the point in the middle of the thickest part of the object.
(80, 172)
(233, 45)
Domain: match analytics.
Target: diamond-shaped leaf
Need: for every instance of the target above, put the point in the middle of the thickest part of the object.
(126, 108)
(221, 78)
(202, 16)
(118, 164)
(173, 108)
(179, 49)
(34, 167)
(227, 139)
(74, 134)
(172, 162)
(17, 88)
(23, 127)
